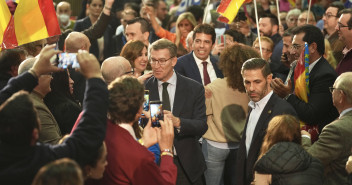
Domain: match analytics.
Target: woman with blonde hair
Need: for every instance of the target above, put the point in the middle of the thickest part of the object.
(283, 160)
(329, 55)
(184, 24)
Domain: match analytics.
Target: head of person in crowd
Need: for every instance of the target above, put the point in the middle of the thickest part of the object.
(292, 17)
(189, 41)
(60, 172)
(150, 3)
(76, 41)
(137, 53)
(132, 5)
(342, 92)
(344, 27)
(184, 24)
(34, 48)
(283, 128)
(314, 38)
(267, 47)
(114, 67)
(127, 15)
(10, 59)
(283, 16)
(63, 11)
(138, 29)
(171, 25)
(330, 17)
(233, 37)
(96, 167)
(197, 11)
(268, 25)
(203, 40)
(95, 7)
(163, 58)
(161, 10)
(62, 83)
(302, 19)
(286, 58)
(231, 61)
(22, 128)
(257, 77)
(43, 87)
(126, 97)
(328, 55)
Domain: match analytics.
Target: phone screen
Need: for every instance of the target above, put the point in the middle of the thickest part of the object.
(68, 60)
(156, 113)
(146, 100)
(221, 39)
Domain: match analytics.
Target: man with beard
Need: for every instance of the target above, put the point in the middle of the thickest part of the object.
(264, 105)
(269, 27)
(344, 29)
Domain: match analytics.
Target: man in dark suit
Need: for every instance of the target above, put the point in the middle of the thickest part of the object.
(264, 105)
(199, 65)
(319, 109)
(184, 102)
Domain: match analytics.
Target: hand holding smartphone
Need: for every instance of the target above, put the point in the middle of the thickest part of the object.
(68, 60)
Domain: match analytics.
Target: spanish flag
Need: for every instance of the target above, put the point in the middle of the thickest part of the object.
(228, 10)
(33, 20)
(5, 17)
(301, 75)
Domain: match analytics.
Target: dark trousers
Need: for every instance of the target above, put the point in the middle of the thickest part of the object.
(182, 178)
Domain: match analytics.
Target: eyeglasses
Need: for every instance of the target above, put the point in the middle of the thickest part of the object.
(329, 15)
(263, 49)
(296, 46)
(130, 72)
(340, 25)
(161, 61)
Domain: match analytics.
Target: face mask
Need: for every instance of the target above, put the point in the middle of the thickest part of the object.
(64, 18)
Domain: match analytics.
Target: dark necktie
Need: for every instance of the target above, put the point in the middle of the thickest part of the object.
(166, 100)
(205, 73)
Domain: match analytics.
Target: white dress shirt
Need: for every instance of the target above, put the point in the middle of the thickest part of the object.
(257, 109)
(210, 68)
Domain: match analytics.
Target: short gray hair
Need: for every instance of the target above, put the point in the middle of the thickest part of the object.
(344, 82)
(163, 44)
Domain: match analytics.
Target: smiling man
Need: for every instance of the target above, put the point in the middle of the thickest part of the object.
(344, 30)
(184, 102)
(264, 105)
(199, 65)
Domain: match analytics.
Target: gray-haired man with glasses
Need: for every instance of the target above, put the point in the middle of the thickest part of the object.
(344, 30)
(184, 102)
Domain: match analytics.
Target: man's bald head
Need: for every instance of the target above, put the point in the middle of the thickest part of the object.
(26, 65)
(76, 41)
(114, 67)
(63, 7)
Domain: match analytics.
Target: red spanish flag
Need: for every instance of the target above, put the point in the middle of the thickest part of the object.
(33, 20)
(228, 9)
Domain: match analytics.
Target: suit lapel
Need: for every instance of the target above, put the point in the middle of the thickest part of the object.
(193, 67)
(179, 95)
(153, 91)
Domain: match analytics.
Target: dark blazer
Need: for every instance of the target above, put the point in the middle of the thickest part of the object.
(187, 66)
(189, 106)
(19, 164)
(319, 110)
(244, 165)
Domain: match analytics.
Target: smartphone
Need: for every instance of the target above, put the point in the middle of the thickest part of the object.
(156, 112)
(68, 60)
(221, 39)
(146, 100)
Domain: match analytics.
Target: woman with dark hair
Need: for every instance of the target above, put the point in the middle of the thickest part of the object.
(227, 107)
(137, 53)
(61, 102)
(283, 160)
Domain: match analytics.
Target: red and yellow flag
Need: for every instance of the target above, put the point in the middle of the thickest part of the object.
(33, 20)
(5, 17)
(228, 10)
(301, 75)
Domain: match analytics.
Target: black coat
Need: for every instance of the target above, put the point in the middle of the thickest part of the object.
(290, 164)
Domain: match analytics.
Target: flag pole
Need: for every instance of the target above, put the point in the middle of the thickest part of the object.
(258, 32)
(206, 12)
(278, 12)
(310, 4)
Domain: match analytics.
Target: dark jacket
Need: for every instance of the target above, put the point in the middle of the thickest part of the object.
(290, 164)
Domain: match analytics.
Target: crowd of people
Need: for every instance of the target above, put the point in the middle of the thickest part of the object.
(236, 108)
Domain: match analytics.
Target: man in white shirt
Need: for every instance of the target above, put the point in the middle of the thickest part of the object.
(264, 106)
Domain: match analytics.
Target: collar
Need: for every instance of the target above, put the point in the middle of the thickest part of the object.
(37, 95)
(171, 80)
(68, 24)
(345, 51)
(261, 104)
(313, 64)
(345, 111)
(199, 61)
(276, 38)
(129, 129)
